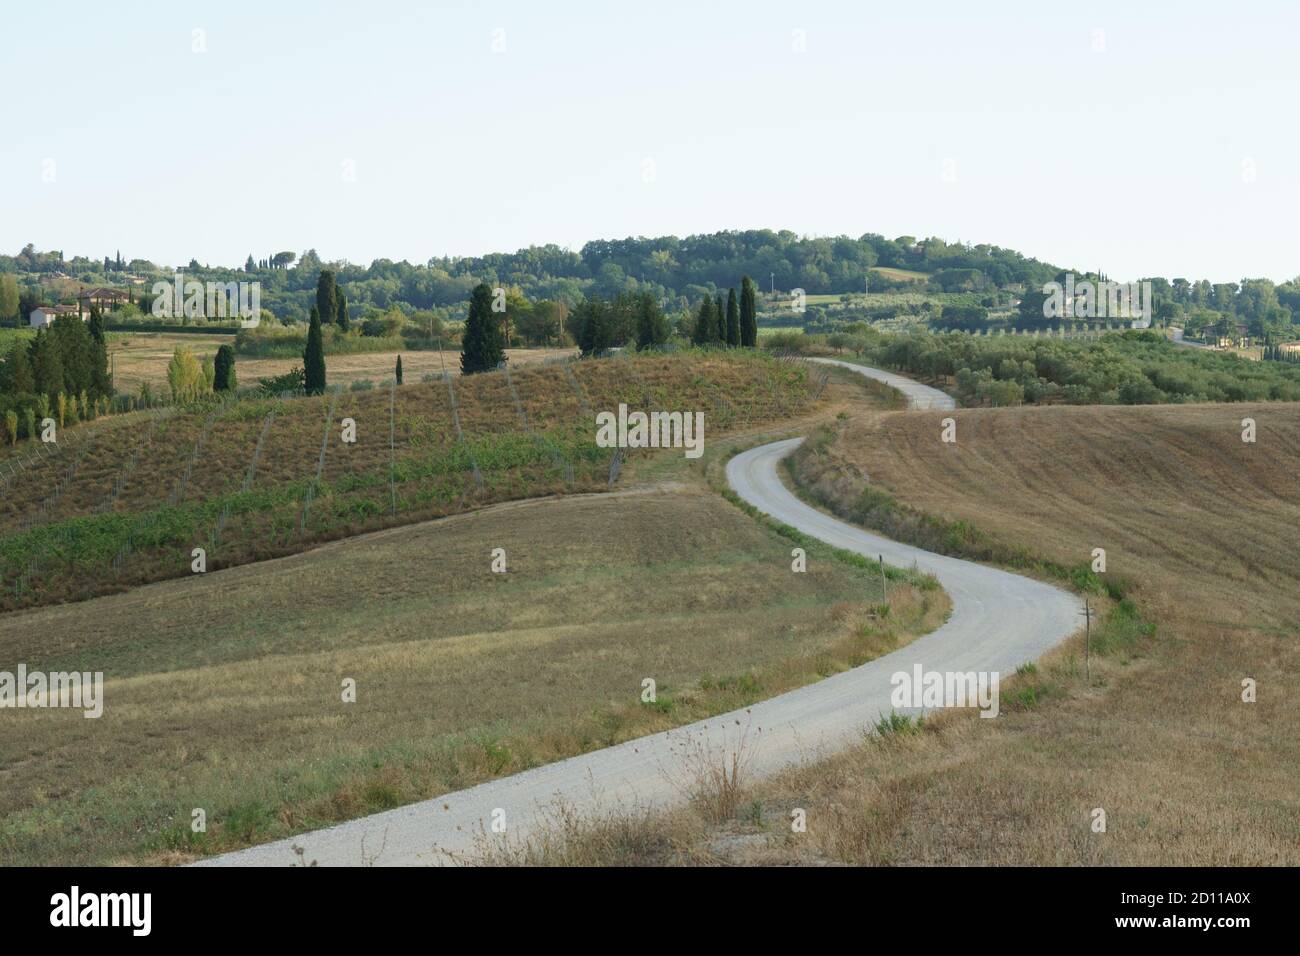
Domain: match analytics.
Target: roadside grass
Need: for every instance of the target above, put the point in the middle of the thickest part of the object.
(620, 837)
(898, 725)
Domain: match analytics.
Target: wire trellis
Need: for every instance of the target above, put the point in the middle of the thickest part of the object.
(460, 435)
(310, 495)
(214, 538)
(559, 462)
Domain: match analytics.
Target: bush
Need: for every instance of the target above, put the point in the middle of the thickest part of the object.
(291, 381)
(795, 342)
(898, 725)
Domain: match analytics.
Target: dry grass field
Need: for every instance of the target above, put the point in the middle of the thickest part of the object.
(907, 275)
(224, 693)
(1202, 526)
(143, 357)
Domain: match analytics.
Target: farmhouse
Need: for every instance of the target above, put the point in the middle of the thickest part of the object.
(1228, 334)
(44, 316)
(103, 299)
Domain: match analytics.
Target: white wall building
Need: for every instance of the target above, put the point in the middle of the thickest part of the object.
(44, 316)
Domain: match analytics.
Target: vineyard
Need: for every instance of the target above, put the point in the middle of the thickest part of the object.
(127, 500)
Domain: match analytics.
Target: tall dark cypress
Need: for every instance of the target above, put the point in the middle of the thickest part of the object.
(313, 360)
(341, 309)
(398, 372)
(705, 323)
(101, 380)
(720, 321)
(47, 366)
(481, 349)
(76, 350)
(327, 297)
(18, 378)
(748, 314)
(733, 318)
(224, 369)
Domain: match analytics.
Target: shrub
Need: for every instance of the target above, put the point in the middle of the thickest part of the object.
(290, 381)
(895, 724)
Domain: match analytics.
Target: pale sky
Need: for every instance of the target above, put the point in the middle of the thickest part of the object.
(1139, 138)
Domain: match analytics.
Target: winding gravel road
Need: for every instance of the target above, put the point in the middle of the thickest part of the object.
(999, 620)
(918, 396)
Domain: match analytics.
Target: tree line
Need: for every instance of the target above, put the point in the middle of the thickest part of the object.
(546, 282)
(673, 269)
(61, 372)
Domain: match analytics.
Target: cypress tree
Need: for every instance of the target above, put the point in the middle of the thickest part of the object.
(96, 325)
(76, 350)
(18, 378)
(47, 368)
(748, 314)
(480, 348)
(591, 325)
(341, 309)
(327, 303)
(101, 382)
(398, 372)
(224, 367)
(705, 323)
(720, 321)
(651, 329)
(313, 360)
(733, 318)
